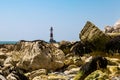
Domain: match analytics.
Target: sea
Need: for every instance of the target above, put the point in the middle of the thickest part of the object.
(8, 42)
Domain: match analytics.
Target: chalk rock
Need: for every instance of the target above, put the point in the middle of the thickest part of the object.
(33, 55)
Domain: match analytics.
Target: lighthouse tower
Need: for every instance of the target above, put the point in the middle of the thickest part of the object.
(51, 36)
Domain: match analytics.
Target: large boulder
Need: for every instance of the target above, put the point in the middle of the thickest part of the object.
(33, 55)
(94, 36)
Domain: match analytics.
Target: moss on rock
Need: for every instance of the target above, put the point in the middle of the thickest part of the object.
(97, 75)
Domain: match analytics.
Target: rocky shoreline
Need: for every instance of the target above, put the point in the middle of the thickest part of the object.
(40, 60)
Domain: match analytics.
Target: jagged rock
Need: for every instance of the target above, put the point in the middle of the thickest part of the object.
(93, 35)
(33, 55)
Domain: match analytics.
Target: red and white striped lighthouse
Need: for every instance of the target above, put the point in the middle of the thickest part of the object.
(51, 35)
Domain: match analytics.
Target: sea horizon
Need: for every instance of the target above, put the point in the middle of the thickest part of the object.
(8, 42)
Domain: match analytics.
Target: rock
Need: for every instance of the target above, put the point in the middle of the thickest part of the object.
(113, 69)
(33, 55)
(94, 64)
(41, 77)
(2, 77)
(11, 77)
(57, 76)
(77, 61)
(69, 61)
(114, 29)
(36, 73)
(113, 61)
(97, 75)
(109, 29)
(94, 36)
(113, 45)
(17, 74)
(73, 60)
(5, 48)
(71, 66)
(65, 46)
(72, 71)
(56, 45)
(80, 48)
(88, 59)
(3, 55)
(116, 77)
(7, 62)
(116, 26)
(1, 62)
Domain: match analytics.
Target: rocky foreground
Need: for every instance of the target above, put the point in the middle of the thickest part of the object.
(93, 57)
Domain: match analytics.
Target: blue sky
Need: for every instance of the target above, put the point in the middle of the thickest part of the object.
(32, 19)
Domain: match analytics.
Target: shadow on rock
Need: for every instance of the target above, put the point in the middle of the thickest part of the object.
(95, 64)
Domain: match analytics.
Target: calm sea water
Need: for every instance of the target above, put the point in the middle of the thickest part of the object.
(8, 42)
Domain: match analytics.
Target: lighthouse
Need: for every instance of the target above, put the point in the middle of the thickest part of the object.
(51, 36)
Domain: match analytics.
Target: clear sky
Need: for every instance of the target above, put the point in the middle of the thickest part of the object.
(32, 19)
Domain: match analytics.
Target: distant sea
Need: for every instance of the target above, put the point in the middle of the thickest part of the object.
(8, 42)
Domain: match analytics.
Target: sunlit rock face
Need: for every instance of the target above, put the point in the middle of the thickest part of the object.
(113, 29)
(32, 55)
(94, 36)
(117, 25)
